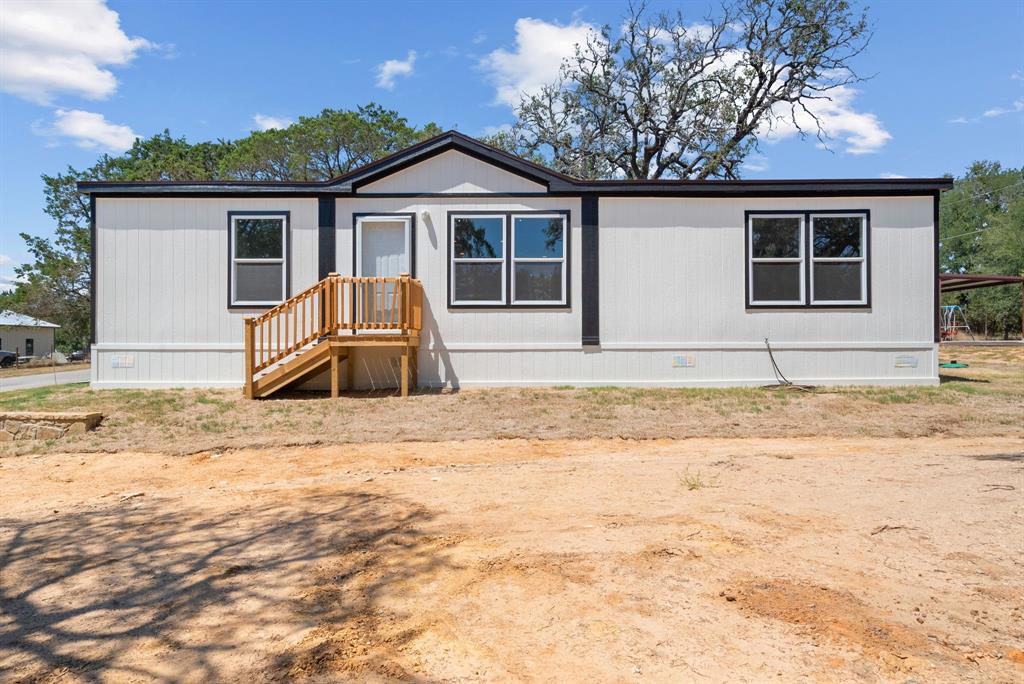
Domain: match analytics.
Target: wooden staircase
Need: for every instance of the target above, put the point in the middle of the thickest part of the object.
(321, 328)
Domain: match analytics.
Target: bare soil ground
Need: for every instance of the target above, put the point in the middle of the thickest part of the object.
(817, 559)
(985, 399)
(860, 534)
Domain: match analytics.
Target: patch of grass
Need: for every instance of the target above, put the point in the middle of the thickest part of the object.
(211, 426)
(987, 401)
(695, 480)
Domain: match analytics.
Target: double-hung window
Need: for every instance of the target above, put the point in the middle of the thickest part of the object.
(258, 250)
(538, 259)
(776, 271)
(838, 273)
(478, 259)
(807, 259)
(509, 259)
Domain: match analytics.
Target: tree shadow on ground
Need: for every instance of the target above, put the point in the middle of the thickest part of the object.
(163, 592)
(1017, 457)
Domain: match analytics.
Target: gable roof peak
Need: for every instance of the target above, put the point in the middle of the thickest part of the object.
(444, 142)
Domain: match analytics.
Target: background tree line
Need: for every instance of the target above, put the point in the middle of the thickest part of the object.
(982, 231)
(55, 285)
(657, 97)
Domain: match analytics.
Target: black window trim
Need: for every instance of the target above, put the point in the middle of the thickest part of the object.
(508, 265)
(286, 215)
(807, 261)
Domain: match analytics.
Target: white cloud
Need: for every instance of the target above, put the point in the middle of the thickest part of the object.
(891, 175)
(479, 38)
(9, 282)
(541, 47)
(62, 46)
(89, 130)
(393, 68)
(5, 259)
(1017, 106)
(494, 130)
(756, 163)
(540, 50)
(861, 132)
(265, 122)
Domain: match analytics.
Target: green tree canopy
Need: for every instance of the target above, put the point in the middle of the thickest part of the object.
(982, 231)
(55, 286)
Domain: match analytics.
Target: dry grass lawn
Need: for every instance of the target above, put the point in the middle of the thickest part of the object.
(857, 535)
(985, 399)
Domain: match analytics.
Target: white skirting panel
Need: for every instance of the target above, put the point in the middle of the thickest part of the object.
(653, 365)
(149, 367)
(686, 367)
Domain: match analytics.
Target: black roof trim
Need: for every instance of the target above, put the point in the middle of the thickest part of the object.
(555, 182)
(451, 140)
(710, 188)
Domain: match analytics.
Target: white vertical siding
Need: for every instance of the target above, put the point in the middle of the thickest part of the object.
(673, 271)
(452, 172)
(162, 279)
(672, 301)
(443, 326)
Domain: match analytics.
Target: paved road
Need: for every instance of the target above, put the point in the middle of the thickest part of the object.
(43, 380)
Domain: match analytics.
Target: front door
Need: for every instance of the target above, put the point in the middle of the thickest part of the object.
(383, 247)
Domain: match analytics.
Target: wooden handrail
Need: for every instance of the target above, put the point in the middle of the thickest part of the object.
(334, 304)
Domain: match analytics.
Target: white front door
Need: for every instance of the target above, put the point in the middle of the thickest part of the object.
(383, 247)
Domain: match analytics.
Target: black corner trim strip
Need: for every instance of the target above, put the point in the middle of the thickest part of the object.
(326, 236)
(937, 296)
(92, 269)
(590, 298)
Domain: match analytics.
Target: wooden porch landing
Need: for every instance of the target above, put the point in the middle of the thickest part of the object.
(322, 328)
(343, 348)
(337, 354)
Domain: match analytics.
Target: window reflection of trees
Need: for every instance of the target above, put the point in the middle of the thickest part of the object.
(471, 241)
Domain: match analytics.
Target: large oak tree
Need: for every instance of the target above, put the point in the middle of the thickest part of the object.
(662, 97)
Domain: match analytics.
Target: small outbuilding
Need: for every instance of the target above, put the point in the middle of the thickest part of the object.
(25, 336)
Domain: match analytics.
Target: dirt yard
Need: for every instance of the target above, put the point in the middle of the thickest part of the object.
(606, 560)
(843, 535)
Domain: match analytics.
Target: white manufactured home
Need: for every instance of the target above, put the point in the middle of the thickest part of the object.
(455, 264)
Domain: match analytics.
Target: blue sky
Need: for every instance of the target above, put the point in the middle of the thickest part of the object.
(81, 78)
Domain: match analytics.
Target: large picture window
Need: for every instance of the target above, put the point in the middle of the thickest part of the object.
(805, 259)
(258, 252)
(509, 259)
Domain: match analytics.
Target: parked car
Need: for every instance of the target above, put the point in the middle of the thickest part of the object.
(78, 355)
(7, 359)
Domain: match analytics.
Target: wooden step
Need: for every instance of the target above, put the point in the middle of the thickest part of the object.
(296, 369)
